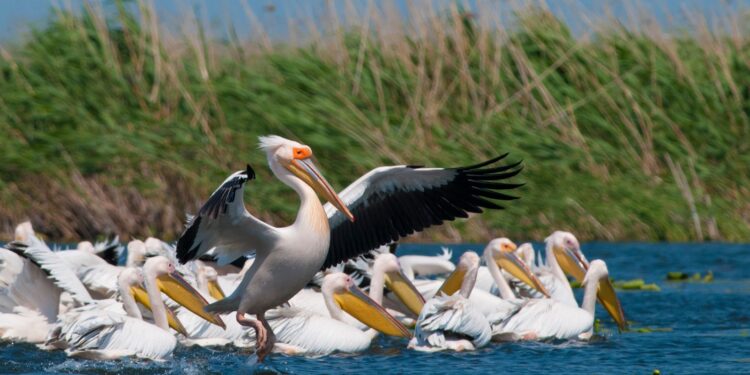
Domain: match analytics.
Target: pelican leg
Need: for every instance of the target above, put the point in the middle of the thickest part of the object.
(270, 338)
(260, 333)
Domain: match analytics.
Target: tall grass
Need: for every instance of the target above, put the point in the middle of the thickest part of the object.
(118, 125)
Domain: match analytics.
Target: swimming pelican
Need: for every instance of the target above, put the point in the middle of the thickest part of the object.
(452, 322)
(301, 331)
(389, 203)
(539, 319)
(497, 253)
(566, 255)
(32, 278)
(108, 330)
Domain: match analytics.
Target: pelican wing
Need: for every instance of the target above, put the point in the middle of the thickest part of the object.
(102, 334)
(224, 225)
(392, 202)
(451, 316)
(24, 285)
(58, 270)
(100, 280)
(546, 319)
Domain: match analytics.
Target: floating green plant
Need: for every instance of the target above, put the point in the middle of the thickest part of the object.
(636, 284)
(651, 329)
(696, 277)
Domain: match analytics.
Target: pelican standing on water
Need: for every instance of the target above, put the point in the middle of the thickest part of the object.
(388, 202)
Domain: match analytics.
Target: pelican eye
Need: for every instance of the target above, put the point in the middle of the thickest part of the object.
(301, 152)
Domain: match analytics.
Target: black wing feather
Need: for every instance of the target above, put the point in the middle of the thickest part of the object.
(217, 203)
(385, 216)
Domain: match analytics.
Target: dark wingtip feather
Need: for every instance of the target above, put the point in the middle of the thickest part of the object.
(185, 249)
(392, 247)
(485, 163)
(250, 172)
(110, 254)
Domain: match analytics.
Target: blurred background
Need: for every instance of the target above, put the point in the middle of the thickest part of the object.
(632, 118)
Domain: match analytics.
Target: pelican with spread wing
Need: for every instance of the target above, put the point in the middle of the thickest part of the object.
(388, 203)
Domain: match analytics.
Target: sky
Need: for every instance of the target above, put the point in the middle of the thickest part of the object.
(17, 17)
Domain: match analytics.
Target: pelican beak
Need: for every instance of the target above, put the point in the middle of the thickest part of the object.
(453, 282)
(608, 298)
(180, 291)
(405, 291)
(305, 169)
(215, 291)
(570, 262)
(363, 308)
(141, 296)
(512, 264)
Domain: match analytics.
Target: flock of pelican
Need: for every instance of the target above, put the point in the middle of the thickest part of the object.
(326, 283)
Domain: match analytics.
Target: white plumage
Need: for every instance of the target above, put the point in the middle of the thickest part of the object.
(450, 322)
(102, 334)
(453, 322)
(288, 257)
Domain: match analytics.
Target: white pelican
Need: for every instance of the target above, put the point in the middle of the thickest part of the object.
(32, 278)
(108, 330)
(498, 253)
(389, 203)
(99, 277)
(539, 319)
(564, 254)
(304, 332)
(136, 254)
(452, 322)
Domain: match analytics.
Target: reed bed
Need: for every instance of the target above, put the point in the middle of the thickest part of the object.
(114, 123)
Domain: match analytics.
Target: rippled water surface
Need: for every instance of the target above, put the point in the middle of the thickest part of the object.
(696, 327)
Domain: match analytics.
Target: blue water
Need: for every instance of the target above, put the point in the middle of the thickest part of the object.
(701, 328)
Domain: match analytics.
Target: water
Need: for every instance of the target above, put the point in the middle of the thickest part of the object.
(699, 328)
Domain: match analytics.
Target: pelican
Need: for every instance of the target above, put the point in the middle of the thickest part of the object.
(302, 331)
(310, 313)
(389, 203)
(498, 253)
(32, 279)
(563, 255)
(99, 277)
(106, 330)
(540, 319)
(306, 331)
(452, 322)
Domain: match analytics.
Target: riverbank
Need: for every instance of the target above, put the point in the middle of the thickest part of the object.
(114, 126)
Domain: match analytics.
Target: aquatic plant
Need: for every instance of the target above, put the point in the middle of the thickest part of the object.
(115, 124)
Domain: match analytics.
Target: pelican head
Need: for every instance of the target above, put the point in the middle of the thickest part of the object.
(131, 281)
(210, 278)
(597, 273)
(155, 246)
(567, 252)
(86, 246)
(395, 280)
(526, 253)
(285, 155)
(503, 252)
(347, 296)
(136, 253)
(466, 269)
(130, 276)
(171, 283)
(24, 231)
